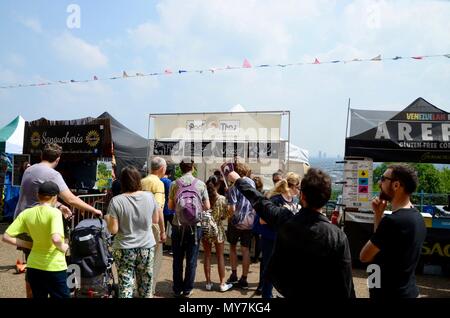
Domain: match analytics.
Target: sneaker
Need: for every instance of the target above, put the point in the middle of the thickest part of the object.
(258, 290)
(225, 287)
(209, 286)
(232, 280)
(242, 284)
(187, 294)
(177, 294)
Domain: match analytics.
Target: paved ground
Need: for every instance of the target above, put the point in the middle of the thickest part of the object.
(12, 284)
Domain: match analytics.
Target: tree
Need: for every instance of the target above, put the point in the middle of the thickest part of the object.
(377, 173)
(445, 180)
(429, 178)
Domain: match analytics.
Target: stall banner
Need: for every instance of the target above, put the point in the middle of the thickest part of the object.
(358, 183)
(75, 139)
(244, 126)
(220, 150)
(419, 133)
(359, 217)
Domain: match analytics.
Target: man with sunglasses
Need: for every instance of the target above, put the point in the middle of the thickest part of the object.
(397, 240)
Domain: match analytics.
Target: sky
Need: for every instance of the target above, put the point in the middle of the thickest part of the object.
(41, 42)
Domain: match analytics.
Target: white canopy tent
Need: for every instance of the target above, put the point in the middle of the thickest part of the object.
(11, 136)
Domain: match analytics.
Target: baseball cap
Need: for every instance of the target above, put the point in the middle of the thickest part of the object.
(48, 188)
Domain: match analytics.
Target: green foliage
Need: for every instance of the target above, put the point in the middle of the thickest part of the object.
(377, 173)
(445, 180)
(429, 178)
(104, 177)
(178, 172)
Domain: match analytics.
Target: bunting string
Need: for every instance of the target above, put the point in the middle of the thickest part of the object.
(245, 65)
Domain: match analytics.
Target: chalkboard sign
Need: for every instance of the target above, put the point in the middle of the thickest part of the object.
(20, 163)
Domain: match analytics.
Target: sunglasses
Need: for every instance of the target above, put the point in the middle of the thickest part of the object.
(383, 178)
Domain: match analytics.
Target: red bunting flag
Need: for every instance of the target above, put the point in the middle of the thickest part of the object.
(417, 57)
(168, 71)
(246, 64)
(316, 61)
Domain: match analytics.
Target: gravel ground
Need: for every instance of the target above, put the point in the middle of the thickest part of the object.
(12, 285)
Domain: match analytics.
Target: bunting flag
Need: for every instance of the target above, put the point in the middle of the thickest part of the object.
(246, 64)
(214, 70)
(376, 58)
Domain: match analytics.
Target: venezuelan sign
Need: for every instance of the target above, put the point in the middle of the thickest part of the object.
(419, 133)
(76, 139)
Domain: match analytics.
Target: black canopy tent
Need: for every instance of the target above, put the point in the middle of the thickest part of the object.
(129, 147)
(85, 141)
(418, 133)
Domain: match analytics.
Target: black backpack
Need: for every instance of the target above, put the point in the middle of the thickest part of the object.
(89, 247)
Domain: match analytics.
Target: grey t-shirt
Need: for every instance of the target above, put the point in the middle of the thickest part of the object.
(32, 178)
(134, 214)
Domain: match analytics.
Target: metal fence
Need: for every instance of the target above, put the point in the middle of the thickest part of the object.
(98, 201)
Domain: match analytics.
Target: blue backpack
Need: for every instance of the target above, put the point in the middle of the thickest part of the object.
(189, 205)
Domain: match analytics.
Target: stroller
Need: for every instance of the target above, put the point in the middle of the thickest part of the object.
(90, 244)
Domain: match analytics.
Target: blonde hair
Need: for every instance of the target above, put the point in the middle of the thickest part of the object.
(282, 186)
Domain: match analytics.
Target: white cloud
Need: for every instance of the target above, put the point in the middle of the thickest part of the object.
(31, 23)
(16, 60)
(200, 31)
(77, 51)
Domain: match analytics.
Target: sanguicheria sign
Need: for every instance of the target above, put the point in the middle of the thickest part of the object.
(82, 139)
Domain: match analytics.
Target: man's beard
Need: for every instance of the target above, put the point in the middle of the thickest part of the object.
(385, 196)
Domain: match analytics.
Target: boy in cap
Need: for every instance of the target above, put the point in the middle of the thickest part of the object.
(46, 266)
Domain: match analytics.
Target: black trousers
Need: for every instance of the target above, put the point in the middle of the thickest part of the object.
(44, 283)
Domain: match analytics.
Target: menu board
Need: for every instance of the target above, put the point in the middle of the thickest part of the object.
(358, 183)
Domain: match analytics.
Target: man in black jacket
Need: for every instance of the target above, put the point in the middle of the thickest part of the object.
(311, 257)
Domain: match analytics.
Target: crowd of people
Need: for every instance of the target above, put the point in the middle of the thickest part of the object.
(303, 254)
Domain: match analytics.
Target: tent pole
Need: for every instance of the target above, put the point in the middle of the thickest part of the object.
(348, 112)
(148, 142)
(346, 123)
(289, 139)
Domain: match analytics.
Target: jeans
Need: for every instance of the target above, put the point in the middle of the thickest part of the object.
(185, 241)
(267, 249)
(44, 283)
